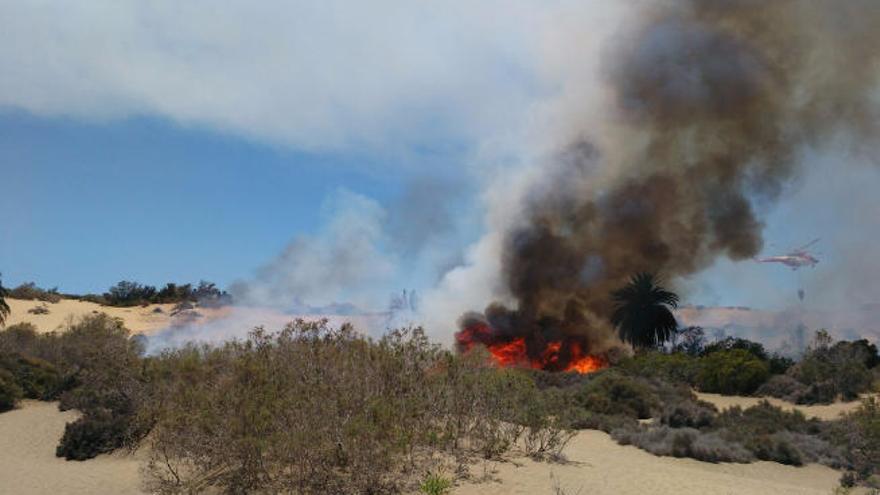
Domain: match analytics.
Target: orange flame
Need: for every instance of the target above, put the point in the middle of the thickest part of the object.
(513, 353)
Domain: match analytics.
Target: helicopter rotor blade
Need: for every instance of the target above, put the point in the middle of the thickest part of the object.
(805, 246)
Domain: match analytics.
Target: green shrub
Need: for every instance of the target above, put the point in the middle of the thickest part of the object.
(832, 371)
(677, 367)
(435, 484)
(37, 378)
(10, 392)
(765, 419)
(610, 392)
(756, 349)
(99, 431)
(732, 372)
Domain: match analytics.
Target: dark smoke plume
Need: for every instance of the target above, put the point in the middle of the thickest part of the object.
(713, 102)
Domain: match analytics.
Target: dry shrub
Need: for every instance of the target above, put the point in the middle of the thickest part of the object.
(684, 442)
(783, 387)
(314, 409)
(691, 414)
(41, 309)
(30, 292)
(858, 435)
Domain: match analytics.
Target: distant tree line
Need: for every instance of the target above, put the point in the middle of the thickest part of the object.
(128, 293)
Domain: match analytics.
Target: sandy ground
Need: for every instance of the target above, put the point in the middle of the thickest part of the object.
(28, 466)
(598, 466)
(821, 411)
(137, 319)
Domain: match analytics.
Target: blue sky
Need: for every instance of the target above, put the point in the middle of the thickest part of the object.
(89, 204)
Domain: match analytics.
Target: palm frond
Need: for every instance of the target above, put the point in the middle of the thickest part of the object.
(642, 311)
(4, 308)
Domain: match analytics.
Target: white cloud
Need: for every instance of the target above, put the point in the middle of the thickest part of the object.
(314, 75)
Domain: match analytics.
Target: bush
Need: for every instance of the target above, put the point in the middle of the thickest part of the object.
(585, 420)
(858, 434)
(776, 448)
(677, 367)
(688, 414)
(10, 392)
(20, 338)
(765, 419)
(435, 484)
(761, 432)
(99, 431)
(684, 442)
(829, 372)
(609, 392)
(783, 387)
(39, 310)
(731, 343)
(314, 409)
(30, 292)
(732, 372)
(36, 378)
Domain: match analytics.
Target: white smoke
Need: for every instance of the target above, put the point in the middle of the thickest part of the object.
(345, 261)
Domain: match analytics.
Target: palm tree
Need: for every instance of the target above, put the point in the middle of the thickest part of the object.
(4, 308)
(643, 312)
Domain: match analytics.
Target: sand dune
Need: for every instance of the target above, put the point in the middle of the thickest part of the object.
(28, 466)
(137, 319)
(598, 466)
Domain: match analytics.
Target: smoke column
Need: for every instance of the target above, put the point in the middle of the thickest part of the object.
(709, 104)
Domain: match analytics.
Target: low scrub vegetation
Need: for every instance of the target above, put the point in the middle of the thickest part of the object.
(827, 371)
(312, 409)
(318, 409)
(92, 366)
(30, 292)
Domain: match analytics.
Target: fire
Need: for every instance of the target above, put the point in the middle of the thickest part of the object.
(560, 355)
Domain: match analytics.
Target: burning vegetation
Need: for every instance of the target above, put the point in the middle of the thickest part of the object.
(531, 351)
